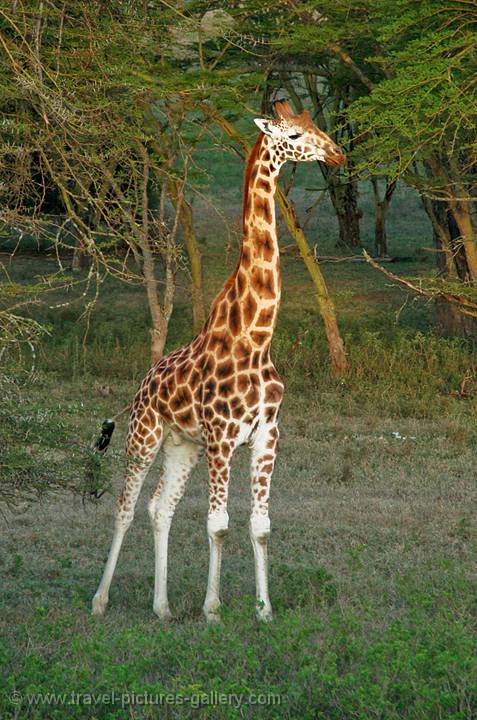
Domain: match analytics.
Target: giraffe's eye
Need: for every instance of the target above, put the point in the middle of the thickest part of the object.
(294, 137)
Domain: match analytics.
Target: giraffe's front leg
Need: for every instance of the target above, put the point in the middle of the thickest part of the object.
(263, 459)
(217, 526)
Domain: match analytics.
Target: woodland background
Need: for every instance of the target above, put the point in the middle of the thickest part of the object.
(124, 127)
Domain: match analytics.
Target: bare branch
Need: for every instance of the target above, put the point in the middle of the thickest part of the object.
(463, 304)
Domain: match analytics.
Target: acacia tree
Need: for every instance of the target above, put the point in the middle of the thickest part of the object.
(170, 140)
(411, 67)
(78, 127)
(419, 123)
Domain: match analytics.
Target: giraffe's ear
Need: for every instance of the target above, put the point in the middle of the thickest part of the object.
(266, 126)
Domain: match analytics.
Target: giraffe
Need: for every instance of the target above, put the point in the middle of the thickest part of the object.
(222, 390)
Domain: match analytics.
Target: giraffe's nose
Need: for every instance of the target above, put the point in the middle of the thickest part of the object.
(335, 157)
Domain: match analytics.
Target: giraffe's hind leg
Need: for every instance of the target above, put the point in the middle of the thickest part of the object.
(180, 457)
(142, 450)
(262, 462)
(217, 525)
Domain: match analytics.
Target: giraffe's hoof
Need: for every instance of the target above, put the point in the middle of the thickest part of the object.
(264, 613)
(212, 614)
(163, 613)
(99, 604)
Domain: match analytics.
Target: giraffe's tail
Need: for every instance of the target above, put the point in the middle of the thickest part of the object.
(102, 442)
(107, 428)
(95, 484)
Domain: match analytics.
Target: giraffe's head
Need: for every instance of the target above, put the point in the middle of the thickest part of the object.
(297, 138)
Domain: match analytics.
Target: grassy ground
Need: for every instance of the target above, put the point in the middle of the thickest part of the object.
(372, 556)
(372, 559)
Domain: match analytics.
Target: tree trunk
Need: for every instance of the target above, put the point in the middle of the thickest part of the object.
(457, 249)
(78, 257)
(344, 196)
(461, 211)
(460, 204)
(159, 318)
(343, 189)
(325, 303)
(453, 323)
(195, 257)
(454, 238)
(381, 207)
(451, 263)
(158, 337)
(160, 315)
(380, 235)
(438, 214)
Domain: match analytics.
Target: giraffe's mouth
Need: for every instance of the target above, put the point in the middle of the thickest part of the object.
(335, 158)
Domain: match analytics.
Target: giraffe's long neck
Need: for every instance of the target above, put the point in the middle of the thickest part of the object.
(258, 279)
(246, 309)
(261, 176)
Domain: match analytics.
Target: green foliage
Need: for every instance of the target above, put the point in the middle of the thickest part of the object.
(426, 106)
(404, 374)
(419, 666)
(394, 81)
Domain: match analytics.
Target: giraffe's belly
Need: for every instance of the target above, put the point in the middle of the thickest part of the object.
(243, 432)
(222, 399)
(192, 432)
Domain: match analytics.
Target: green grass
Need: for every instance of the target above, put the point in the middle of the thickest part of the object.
(308, 667)
(372, 555)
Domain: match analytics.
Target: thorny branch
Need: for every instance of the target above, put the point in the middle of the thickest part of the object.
(463, 304)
